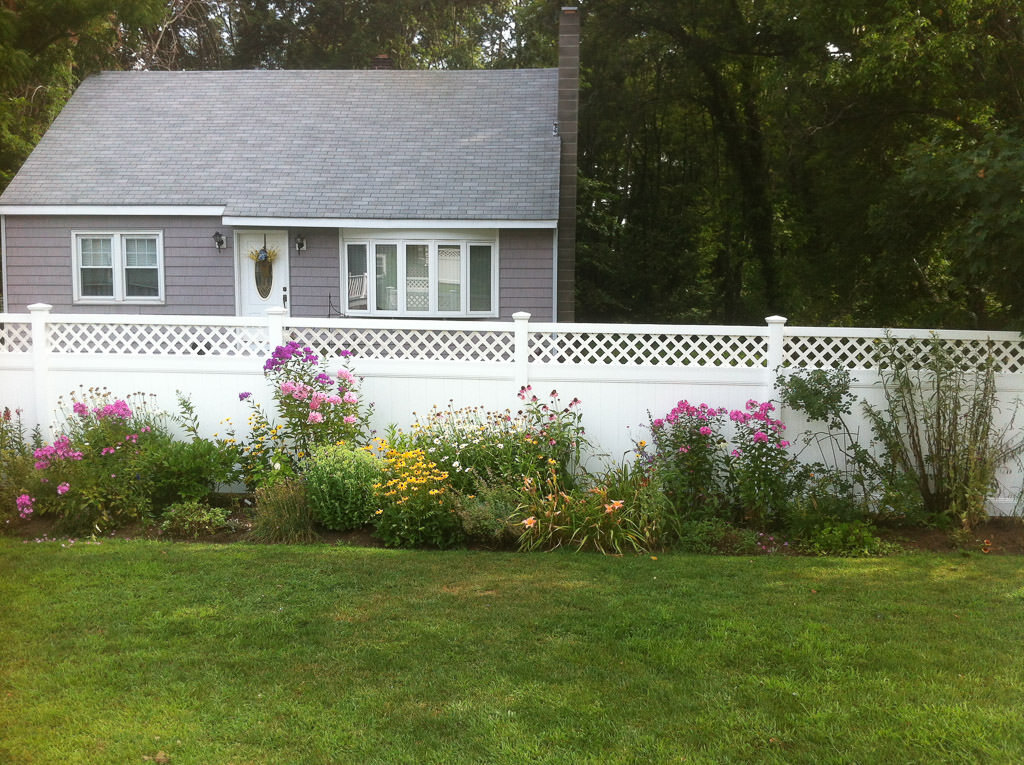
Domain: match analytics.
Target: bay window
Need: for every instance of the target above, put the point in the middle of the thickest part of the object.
(406, 276)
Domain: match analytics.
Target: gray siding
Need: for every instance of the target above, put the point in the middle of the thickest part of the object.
(526, 273)
(197, 278)
(315, 274)
(200, 280)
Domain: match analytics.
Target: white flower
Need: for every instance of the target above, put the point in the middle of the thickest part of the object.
(277, 466)
(456, 464)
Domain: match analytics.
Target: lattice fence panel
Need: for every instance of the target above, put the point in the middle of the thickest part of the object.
(648, 349)
(424, 345)
(866, 353)
(158, 339)
(15, 337)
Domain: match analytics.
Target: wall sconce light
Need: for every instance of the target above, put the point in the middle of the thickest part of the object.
(300, 243)
(218, 240)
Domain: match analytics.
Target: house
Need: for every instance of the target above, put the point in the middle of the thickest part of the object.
(436, 194)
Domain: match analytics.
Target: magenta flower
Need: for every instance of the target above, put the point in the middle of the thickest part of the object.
(244, 396)
(81, 409)
(63, 488)
(705, 431)
(24, 503)
(760, 437)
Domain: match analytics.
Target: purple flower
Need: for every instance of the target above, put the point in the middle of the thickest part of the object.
(244, 396)
(80, 409)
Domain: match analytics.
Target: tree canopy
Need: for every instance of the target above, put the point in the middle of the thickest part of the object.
(838, 163)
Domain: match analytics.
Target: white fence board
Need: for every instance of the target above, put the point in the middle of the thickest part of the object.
(619, 372)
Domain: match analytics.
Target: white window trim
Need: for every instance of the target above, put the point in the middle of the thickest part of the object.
(118, 266)
(431, 238)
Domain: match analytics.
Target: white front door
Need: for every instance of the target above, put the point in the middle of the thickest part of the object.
(262, 269)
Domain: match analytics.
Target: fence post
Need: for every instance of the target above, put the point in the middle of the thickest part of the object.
(521, 358)
(275, 327)
(776, 340)
(38, 315)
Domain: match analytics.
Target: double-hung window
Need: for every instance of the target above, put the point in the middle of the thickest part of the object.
(444, 276)
(118, 267)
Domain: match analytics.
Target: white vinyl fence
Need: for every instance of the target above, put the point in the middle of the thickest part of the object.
(620, 372)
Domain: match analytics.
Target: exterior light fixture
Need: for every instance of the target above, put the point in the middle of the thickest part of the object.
(300, 243)
(218, 240)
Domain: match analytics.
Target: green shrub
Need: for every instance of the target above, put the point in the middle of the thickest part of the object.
(193, 518)
(715, 535)
(340, 486)
(485, 516)
(938, 426)
(847, 539)
(282, 514)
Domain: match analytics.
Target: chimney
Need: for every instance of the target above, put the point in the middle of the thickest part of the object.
(383, 62)
(568, 119)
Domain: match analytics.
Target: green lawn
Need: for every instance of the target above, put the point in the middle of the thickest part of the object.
(118, 652)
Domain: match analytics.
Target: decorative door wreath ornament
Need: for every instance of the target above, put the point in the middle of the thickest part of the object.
(263, 271)
(264, 253)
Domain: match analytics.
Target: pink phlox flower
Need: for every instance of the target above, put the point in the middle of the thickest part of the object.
(332, 400)
(658, 423)
(287, 387)
(63, 488)
(344, 374)
(108, 450)
(24, 503)
(350, 397)
(132, 438)
(80, 409)
(350, 419)
(736, 453)
(760, 437)
(315, 417)
(119, 410)
(705, 431)
(317, 399)
(684, 449)
(783, 444)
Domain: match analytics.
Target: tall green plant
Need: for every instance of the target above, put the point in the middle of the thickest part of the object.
(938, 427)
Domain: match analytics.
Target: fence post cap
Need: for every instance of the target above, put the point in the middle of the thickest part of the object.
(775, 319)
(40, 308)
(521, 315)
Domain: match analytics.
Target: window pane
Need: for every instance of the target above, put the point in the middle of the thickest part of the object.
(417, 277)
(96, 253)
(140, 253)
(480, 278)
(449, 277)
(141, 282)
(97, 282)
(387, 277)
(357, 277)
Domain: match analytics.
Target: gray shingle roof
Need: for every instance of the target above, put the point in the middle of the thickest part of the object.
(424, 145)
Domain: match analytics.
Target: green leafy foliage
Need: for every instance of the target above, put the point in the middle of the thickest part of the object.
(193, 518)
(340, 485)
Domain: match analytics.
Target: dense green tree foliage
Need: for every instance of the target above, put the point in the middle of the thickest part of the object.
(841, 162)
